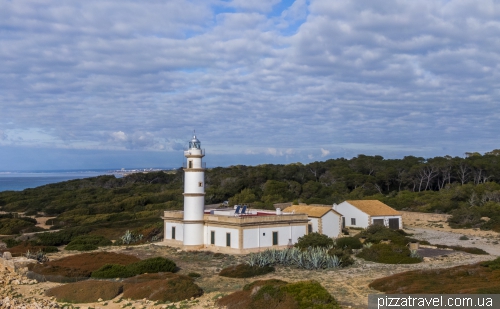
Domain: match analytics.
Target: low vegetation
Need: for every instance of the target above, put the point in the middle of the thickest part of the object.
(481, 278)
(312, 258)
(87, 243)
(11, 224)
(81, 265)
(245, 271)
(389, 254)
(161, 287)
(153, 265)
(278, 294)
(314, 240)
(86, 291)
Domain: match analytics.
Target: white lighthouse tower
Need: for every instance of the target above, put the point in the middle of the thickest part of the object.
(194, 195)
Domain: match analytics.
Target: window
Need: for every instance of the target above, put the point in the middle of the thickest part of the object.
(212, 237)
(353, 221)
(190, 164)
(228, 239)
(309, 228)
(275, 238)
(173, 232)
(200, 184)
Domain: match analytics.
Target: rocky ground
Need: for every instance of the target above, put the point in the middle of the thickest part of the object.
(349, 286)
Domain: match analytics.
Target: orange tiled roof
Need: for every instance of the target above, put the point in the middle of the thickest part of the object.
(311, 211)
(374, 208)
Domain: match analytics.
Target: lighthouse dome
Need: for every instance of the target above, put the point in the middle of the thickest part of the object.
(194, 143)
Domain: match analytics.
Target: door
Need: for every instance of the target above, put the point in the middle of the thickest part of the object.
(343, 222)
(394, 223)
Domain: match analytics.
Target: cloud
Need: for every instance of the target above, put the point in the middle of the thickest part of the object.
(261, 78)
(324, 152)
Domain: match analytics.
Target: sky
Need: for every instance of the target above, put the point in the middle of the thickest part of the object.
(111, 84)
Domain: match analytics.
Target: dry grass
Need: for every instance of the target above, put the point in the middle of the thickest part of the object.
(82, 265)
(86, 291)
(161, 287)
(474, 279)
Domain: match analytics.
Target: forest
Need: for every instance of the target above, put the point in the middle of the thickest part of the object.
(468, 188)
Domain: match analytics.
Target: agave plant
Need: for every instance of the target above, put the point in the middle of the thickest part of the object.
(414, 254)
(367, 245)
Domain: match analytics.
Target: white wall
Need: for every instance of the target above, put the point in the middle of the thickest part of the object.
(263, 237)
(179, 230)
(349, 211)
(315, 224)
(192, 180)
(331, 224)
(220, 236)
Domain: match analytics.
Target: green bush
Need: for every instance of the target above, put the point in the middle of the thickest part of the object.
(110, 271)
(376, 233)
(344, 255)
(348, 242)
(88, 242)
(493, 265)
(388, 254)
(194, 275)
(310, 294)
(11, 242)
(153, 265)
(278, 294)
(245, 271)
(314, 240)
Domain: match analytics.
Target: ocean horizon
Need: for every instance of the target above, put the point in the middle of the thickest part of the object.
(20, 180)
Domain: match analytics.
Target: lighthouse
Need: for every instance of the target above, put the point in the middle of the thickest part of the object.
(194, 195)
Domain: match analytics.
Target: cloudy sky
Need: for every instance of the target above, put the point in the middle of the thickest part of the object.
(120, 83)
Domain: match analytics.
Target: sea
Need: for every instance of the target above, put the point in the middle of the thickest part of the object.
(18, 181)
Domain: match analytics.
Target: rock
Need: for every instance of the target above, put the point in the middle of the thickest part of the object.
(7, 255)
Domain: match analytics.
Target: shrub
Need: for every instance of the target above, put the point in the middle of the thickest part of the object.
(493, 265)
(310, 294)
(161, 287)
(11, 242)
(88, 243)
(110, 271)
(153, 265)
(194, 275)
(278, 294)
(86, 291)
(388, 254)
(348, 242)
(245, 271)
(376, 233)
(313, 240)
(344, 255)
(463, 237)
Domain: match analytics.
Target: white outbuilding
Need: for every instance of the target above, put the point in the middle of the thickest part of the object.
(363, 213)
(322, 219)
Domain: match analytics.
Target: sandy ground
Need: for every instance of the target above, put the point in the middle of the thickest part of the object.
(349, 286)
(41, 222)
